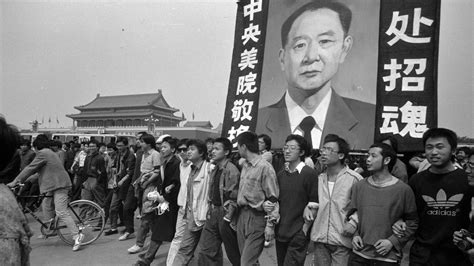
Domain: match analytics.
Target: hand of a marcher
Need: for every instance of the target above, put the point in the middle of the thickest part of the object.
(268, 206)
(357, 243)
(145, 184)
(308, 214)
(399, 228)
(12, 184)
(383, 246)
(269, 233)
(169, 188)
(348, 229)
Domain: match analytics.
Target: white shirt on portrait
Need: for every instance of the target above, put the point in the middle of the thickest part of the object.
(296, 114)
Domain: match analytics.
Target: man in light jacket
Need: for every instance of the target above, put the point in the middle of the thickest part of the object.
(197, 203)
(334, 192)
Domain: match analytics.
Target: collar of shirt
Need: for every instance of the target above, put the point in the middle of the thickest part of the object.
(222, 164)
(147, 152)
(297, 114)
(342, 172)
(298, 168)
(186, 163)
(197, 166)
(254, 161)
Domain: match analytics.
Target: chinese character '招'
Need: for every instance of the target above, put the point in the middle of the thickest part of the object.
(408, 83)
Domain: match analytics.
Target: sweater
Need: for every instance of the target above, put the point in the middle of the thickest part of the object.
(296, 190)
(444, 203)
(378, 209)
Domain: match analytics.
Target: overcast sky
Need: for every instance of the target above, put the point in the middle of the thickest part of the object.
(56, 55)
(59, 55)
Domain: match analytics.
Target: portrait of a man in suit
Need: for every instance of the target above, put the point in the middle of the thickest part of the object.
(314, 43)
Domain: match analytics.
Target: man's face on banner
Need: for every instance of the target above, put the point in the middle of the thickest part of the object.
(316, 46)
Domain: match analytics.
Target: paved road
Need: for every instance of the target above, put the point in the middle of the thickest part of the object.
(107, 250)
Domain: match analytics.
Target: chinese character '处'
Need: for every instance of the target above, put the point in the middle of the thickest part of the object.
(400, 33)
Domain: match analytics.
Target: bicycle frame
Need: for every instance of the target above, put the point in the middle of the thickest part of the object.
(27, 210)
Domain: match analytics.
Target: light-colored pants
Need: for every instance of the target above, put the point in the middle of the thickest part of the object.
(178, 237)
(58, 203)
(330, 255)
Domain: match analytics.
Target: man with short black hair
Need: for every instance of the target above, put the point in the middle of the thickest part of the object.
(223, 189)
(380, 200)
(53, 181)
(131, 202)
(197, 203)
(26, 154)
(332, 247)
(124, 165)
(94, 188)
(399, 169)
(258, 183)
(443, 197)
(462, 155)
(298, 185)
(149, 169)
(184, 170)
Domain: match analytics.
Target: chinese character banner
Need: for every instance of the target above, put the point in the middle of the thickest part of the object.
(355, 68)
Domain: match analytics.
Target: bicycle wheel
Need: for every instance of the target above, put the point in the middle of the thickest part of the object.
(89, 218)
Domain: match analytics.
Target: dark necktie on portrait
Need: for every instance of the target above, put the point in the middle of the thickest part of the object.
(307, 125)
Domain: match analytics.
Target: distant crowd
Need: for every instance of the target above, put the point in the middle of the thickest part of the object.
(200, 195)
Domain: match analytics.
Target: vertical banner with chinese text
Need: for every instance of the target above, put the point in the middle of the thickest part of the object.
(407, 70)
(247, 61)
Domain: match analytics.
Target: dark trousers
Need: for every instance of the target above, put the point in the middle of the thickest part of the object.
(77, 186)
(292, 252)
(145, 227)
(250, 235)
(187, 247)
(108, 200)
(427, 255)
(215, 232)
(150, 254)
(94, 191)
(356, 260)
(129, 207)
(116, 210)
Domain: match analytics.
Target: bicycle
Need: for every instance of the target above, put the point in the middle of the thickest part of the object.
(88, 216)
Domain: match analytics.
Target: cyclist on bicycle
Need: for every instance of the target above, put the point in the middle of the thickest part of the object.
(54, 181)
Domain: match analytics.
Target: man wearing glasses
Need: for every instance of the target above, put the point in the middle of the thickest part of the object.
(334, 191)
(298, 186)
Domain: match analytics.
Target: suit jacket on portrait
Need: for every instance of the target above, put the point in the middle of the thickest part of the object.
(350, 119)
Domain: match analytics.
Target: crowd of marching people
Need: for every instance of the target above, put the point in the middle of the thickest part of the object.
(200, 195)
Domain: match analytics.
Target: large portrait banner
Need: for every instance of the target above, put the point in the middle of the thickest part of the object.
(359, 69)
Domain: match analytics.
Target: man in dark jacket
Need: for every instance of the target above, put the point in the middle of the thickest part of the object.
(94, 187)
(125, 165)
(167, 185)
